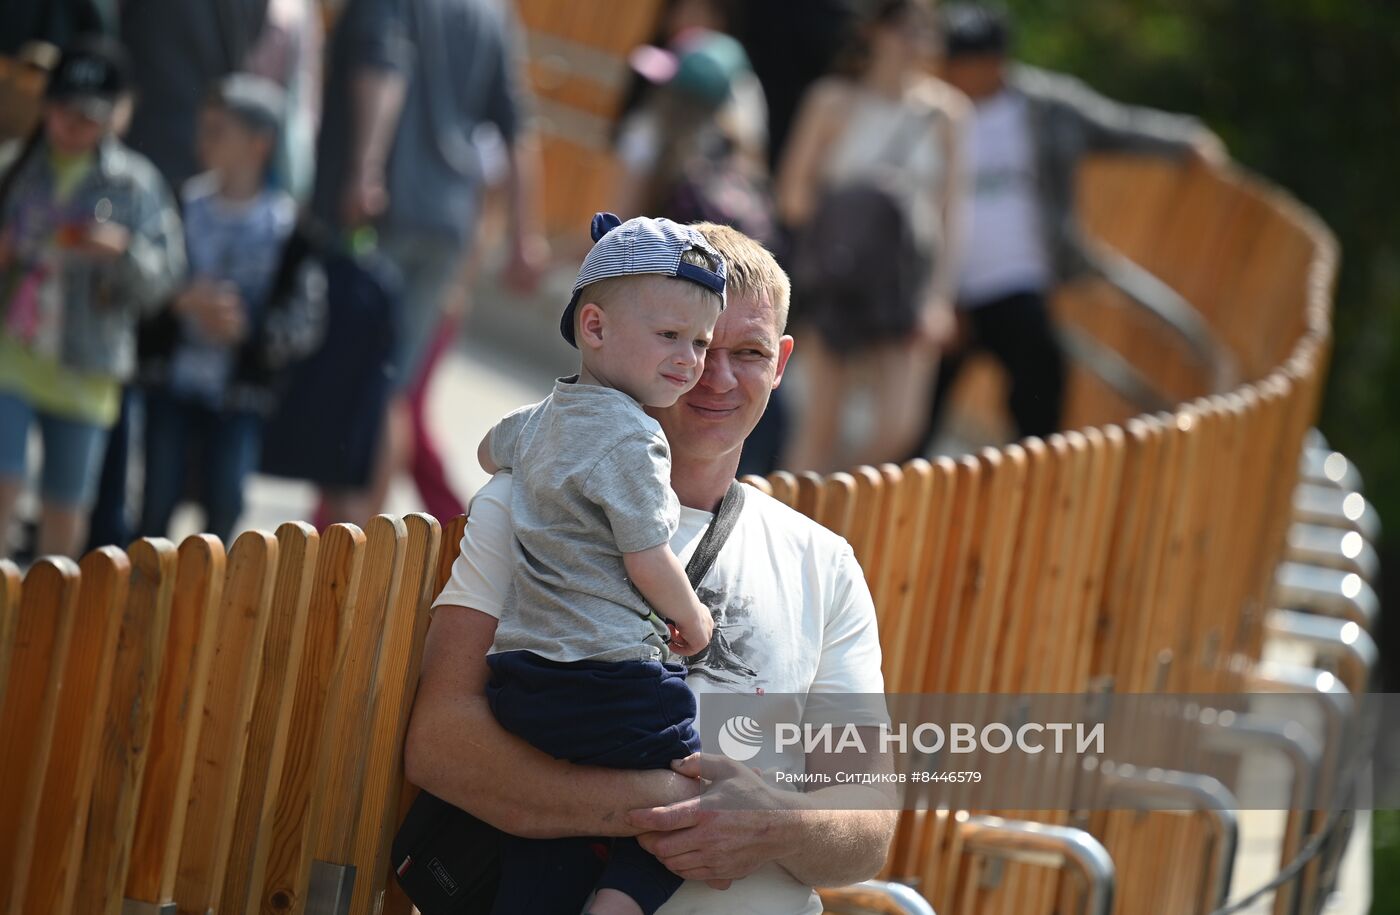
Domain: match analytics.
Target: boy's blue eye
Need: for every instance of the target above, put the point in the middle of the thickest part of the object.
(669, 334)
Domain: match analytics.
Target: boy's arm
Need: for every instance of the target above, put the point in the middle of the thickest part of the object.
(483, 454)
(497, 450)
(658, 574)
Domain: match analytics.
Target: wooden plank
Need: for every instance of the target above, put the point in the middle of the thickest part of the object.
(913, 517)
(1020, 634)
(757, 482)
(1117, 615)
(1006, 483)
(297, 548)
(52, 865)
(837, 503)
(47, 611)
(809, 494)
(340, 776)
(941, 666)
(783, 487)
(10, 581)
(882, 532)
(865, 524)
(332, 605)
(179, 704)
(395, 685)
(121, 766)
(452, 533)
(239, 633)
(927, 609)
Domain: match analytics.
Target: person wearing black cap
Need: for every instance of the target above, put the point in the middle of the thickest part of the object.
(89, 241)
(1030, 131)
(210, 362)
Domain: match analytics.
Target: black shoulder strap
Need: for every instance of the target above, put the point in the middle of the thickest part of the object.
(718, 532)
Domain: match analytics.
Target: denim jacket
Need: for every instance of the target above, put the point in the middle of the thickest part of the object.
(1070, 121)
(103, 300)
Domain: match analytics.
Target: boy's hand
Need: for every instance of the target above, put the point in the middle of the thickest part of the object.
(216, 308)
(691, 638)
(224, 319)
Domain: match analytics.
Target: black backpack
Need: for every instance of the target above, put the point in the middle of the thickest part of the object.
(858, 269)
(326, 425)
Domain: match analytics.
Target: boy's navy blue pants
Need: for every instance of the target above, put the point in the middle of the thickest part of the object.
(627, 715)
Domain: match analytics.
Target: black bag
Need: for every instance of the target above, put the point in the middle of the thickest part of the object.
(859, 267)
(448, 861)
(858, 271)
(325, 428)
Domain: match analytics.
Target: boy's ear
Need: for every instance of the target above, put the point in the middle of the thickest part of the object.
(590, 325)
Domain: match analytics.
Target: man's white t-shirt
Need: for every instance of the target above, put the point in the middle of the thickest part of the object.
(1005, 251)
(792, 614)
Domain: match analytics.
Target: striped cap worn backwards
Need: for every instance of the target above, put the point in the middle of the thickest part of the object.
(640, 246)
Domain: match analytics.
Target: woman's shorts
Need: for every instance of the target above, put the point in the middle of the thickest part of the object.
(73, 451)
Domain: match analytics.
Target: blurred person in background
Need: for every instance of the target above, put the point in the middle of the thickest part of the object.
(407, 84)
(1030, 131)
(89, 240)
(792, 43)
(210, 362)
(54, 22)
(871, 184)
(178, 49)
(694, 149)
(288, 52)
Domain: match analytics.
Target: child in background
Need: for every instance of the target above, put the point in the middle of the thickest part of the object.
(579, 667)
(210, 362)
(89, 240)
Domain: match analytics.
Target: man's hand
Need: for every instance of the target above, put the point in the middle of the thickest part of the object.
(366, 196)
(105, 241)
(938, 325)
(1209, 150)
(723, 835)
(526, 264)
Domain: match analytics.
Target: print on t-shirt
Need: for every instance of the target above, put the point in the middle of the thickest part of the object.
(723, 661)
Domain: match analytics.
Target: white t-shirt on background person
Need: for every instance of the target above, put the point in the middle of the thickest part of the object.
(1005, 251)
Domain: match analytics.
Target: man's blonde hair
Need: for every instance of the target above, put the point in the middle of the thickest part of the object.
(617, 289)
(749, 268)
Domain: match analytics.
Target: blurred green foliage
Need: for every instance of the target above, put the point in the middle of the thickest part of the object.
(1307, 94)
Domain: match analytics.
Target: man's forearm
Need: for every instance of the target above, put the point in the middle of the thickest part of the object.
(457, 750)
(379, 96)
(522, 184)
(838, 847)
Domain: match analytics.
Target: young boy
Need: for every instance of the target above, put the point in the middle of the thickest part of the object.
(210, 362)
(579, 665)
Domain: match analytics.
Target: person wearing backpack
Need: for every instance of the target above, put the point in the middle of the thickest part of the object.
(870, 185)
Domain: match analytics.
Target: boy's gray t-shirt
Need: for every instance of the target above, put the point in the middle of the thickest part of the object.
(593, 481)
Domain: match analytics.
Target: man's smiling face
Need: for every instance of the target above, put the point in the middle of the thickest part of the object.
(743, 364)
